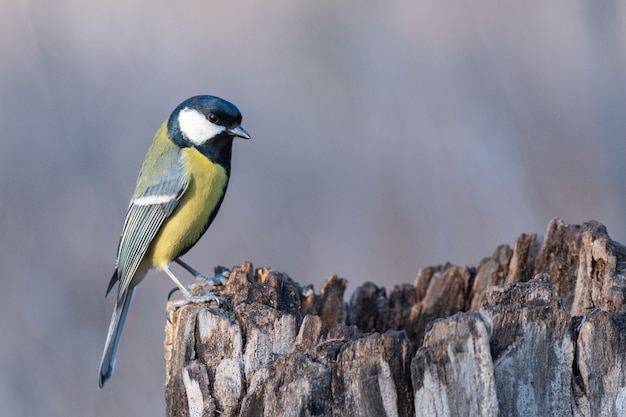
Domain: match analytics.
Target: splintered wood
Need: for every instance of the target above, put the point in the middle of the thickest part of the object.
(535, 330)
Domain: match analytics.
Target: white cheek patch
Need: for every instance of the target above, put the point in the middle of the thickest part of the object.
(196, 127)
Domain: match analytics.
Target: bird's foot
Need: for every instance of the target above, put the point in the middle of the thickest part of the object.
(220, 278)
(195, 293)
(195, 299)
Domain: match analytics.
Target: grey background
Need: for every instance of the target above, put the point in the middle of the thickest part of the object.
(387, 136)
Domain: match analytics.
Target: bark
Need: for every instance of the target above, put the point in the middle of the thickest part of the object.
(537, 329)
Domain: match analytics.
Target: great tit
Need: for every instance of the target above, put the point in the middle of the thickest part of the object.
(179, 190)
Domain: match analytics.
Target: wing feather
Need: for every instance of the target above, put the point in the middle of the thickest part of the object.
(144, 218)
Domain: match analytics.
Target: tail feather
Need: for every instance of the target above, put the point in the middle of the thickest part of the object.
(113, 336)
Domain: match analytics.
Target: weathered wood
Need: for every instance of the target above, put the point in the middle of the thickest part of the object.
(454, 375)
(531, 349)
(536, 329)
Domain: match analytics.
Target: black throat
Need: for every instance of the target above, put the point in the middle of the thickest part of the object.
(218, 150)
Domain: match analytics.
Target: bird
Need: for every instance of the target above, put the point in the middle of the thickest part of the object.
(179, 190)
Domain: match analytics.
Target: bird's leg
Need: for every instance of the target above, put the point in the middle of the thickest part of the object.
(220, 278)
(189, 297)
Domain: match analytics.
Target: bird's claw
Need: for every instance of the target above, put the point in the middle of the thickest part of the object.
(195, 299)
(220, 278)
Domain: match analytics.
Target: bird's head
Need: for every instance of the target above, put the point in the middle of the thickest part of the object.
(201, 120)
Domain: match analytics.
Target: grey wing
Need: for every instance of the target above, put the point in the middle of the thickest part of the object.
(144, 218)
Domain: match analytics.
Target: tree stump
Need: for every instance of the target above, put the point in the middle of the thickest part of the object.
(534, 330)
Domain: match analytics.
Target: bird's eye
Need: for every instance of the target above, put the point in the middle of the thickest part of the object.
(212, 118)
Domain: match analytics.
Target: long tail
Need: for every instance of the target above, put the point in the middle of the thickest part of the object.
(113, 337)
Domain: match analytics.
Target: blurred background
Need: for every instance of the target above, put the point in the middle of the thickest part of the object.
(387, 136)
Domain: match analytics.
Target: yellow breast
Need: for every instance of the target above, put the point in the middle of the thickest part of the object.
(189, 220)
